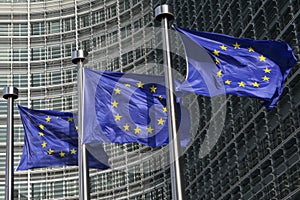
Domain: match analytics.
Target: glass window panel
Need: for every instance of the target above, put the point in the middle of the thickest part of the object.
(4, 54)
(116, 63)
(67, 25)
(56, 52)
(19, 29)
(103, 41)
(20, 80)
(35, 29)
(43, 53)
(108, 13)
(4, 78)
(137, 25)
(23, 29)
(115, 36)
(23, 54)
(85, 21)
(68, 102)
(128, 28)
(55, 77)
(123, 32)
(3, 107)
(16, 54)
(121, 6)
(68, 49)
(16, 29)
(73, 24)
(102, 15)
(55, 27)
(3, 29)
(57, 104)
(3, 133)
(35, 53)
(113, 11)
(124, 59)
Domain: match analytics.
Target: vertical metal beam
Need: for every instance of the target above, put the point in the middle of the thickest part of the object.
(164, 13)
(78, 57)
(10, 93)
(29, 81)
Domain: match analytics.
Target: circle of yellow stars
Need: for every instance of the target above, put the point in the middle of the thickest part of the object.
(261, 58)
(137, 130)
(44, 144)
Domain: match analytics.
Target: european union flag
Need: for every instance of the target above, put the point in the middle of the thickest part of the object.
(237, 66)
(125, 107)
(51, 139)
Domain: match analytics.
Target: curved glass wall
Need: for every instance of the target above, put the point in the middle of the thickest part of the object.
(36, 41)
(257, 154)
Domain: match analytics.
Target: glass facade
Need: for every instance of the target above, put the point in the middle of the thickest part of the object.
(257, 154)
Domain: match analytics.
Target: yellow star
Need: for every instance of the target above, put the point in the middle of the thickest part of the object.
(219, 73)
(48, 119)
(265, 78)
(216, 52)
(114, 104)
(73, 151)
(150, 129)
(62, 154)
(236, 46)
(241, 84)
(153, 89)
(262, 58)
(137, 130)
(165, 109)
(160, 121)
(118, 117)
(117, 91)
(41, 126)
(255, 84)
(76, 127)
(250, 49)
(223, 47)
(126, 127)
(267, 70)
(50, 151)
(140, 84)
(127, 85)
(217, 61)
(41, 134)
(227, 82)
(70, 119)
(44, 144)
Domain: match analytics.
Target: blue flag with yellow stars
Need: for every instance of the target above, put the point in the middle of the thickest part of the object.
(221, 64)
(126, 107)
(51, 139)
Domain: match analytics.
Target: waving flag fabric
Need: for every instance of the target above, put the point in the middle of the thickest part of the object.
(125, 107)
(51, 139)
(236, 66)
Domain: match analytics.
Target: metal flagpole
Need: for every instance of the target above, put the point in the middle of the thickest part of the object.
(78, 57)
(164, 13)
(10, 93)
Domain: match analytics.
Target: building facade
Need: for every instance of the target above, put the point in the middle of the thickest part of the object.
(257, 154)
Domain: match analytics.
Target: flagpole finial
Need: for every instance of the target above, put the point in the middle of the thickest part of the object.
(79, 55)
(164, 10)
(10, 91)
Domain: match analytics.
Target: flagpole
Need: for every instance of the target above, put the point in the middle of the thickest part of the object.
(164, 13)
(10, 93)
(78, 57)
